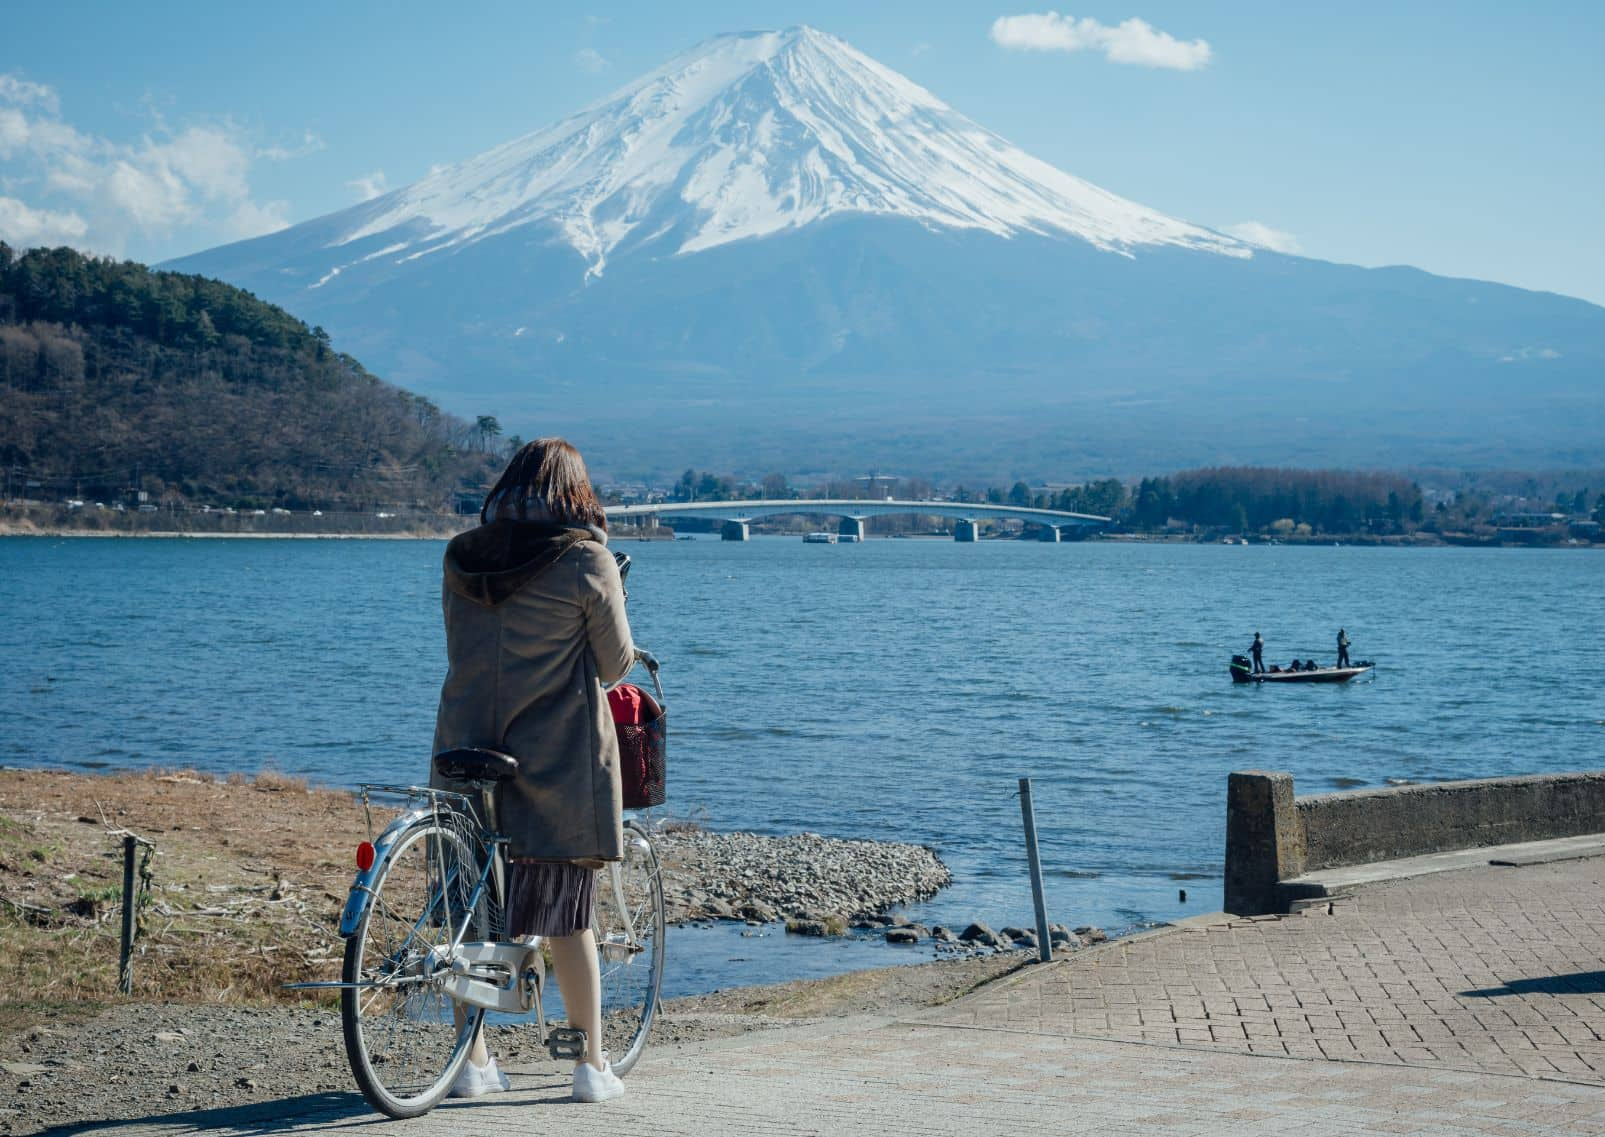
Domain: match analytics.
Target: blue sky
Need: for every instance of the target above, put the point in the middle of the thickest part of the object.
(1464, 138)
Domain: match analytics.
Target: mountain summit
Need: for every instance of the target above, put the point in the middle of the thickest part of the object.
(749, 135)
(774, 236)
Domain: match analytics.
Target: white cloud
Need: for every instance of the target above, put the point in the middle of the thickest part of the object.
(1265, 237)
(207, 158)
(310, 144)
(919, 49)
(13, 131)
(369, 186)
(589, 59)
(1523, 354)
(23, 92)
(255, 219)
(99, 193)
(25, 227)
(1130, 41)
(152, 196)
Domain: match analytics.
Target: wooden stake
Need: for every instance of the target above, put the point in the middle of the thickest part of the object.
(125, 966)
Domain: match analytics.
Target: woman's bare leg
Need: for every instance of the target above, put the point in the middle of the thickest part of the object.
(580, 980)
(477, 1054)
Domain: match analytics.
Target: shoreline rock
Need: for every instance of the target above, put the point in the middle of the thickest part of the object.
(802, 878)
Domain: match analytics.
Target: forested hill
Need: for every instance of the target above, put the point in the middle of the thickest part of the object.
(114, 377)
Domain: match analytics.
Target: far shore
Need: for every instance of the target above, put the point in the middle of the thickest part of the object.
(172, 534)
(1419, 541)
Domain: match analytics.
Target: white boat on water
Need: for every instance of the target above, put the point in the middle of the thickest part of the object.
(820, 539)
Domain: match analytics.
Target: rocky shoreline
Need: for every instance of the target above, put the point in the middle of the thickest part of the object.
(826, 886)
(801, 877)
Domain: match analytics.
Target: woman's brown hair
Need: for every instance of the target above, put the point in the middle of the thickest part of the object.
(546, 480)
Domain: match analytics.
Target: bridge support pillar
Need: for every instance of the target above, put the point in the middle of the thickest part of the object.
(851, 529)
(1049, 533)
(964, 532)
(734, 531)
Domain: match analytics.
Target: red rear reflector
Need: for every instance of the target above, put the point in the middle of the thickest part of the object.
(365, 856)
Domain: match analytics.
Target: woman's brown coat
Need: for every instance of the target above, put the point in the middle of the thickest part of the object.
(534, 626)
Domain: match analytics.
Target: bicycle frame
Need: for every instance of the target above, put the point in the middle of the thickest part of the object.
(498, 975)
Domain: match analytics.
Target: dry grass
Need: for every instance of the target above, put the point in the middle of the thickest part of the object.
(273, 782)
(248, 881)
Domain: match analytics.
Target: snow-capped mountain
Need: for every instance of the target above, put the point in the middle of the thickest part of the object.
(746, 136)
(775, 231)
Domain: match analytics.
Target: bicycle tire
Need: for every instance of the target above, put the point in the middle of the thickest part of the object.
(405, 1039)
(630, 928)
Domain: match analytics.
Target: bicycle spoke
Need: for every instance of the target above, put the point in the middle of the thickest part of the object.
(629, 928)
(402, 1034)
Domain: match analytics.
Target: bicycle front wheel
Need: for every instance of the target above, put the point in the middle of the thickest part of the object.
(629, 927)
(405, 1037)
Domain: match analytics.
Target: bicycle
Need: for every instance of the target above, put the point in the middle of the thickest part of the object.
(426, 952)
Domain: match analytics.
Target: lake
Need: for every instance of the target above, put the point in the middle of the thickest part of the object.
(893, 689)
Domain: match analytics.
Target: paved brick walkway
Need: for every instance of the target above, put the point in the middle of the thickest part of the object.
(1496, 969)
(1458, 1005)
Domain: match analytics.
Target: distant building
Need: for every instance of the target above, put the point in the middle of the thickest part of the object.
(1527, 520)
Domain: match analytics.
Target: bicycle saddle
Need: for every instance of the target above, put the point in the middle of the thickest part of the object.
(472, 764)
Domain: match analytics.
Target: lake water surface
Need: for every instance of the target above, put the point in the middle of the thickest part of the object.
(893, 689)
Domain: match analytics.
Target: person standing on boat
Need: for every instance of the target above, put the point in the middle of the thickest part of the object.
(1257, 650)
(1343, 649)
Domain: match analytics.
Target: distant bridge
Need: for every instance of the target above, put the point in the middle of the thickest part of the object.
(737, 516)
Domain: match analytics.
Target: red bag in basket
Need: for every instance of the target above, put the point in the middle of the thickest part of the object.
(631, 706)
(639, 721)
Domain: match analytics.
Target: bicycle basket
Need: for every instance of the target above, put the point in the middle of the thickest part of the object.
(642, 750)
(642, 726)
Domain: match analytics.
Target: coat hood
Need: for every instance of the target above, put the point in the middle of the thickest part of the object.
(488, 564)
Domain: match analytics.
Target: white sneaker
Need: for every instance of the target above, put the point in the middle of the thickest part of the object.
(593, 1085)
(476, 1081)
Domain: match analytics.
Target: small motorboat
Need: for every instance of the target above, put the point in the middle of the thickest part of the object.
(820, 539)
(1243, 672)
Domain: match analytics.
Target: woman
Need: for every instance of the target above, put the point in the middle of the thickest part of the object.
(535, 626)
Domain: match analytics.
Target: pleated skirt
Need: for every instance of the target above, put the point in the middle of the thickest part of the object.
(549, 898)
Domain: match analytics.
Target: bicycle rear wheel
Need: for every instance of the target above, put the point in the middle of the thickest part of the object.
(629, 928)
(406, 1039)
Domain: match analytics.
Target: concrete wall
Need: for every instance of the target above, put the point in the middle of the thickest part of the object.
(1273, 837)
(1363, 826)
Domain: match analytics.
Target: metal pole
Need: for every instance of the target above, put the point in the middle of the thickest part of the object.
(125, 967)
(1028, 814)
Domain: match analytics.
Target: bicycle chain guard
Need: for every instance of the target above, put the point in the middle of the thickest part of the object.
(503, 977)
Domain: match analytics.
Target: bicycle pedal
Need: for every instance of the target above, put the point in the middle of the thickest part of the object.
(566, 1042)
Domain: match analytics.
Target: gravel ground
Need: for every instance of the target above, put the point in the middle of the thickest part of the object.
(135, 1060)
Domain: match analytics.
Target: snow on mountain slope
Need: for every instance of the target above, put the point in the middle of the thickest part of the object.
(748, 135)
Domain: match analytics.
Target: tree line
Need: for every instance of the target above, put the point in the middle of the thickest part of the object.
(1236, 499)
